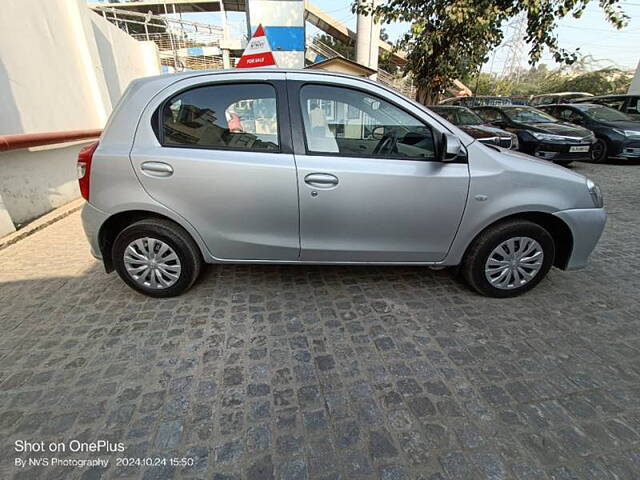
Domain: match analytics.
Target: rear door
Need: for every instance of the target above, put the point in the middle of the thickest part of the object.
(221, 157)
(371, 189)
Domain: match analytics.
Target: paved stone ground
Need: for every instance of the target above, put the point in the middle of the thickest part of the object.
(267, 372)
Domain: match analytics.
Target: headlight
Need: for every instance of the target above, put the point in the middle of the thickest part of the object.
(595, 192)
(548, 136)
(627, 133)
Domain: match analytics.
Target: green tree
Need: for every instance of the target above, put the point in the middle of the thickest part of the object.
(580, 77)
(451, 39)
(599, 82)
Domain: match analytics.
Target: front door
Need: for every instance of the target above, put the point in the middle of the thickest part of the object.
(222, 164)
(370, 187)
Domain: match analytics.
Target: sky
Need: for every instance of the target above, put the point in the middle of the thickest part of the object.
(592, 33)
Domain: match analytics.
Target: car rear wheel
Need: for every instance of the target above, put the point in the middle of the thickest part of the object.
(599, 151)
(508, 259)
(156, 257)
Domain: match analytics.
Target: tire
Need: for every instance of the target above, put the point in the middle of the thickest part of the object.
(478, 254)
(599, 151)
(174, 274)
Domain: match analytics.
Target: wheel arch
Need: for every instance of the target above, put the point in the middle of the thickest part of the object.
(117, 222)
(557, 228)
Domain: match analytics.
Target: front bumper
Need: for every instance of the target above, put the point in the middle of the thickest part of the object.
(92, 220)
(556, 151)
(586, 226)
(629, 149)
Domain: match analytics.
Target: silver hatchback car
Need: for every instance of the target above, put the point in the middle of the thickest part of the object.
(306, 167)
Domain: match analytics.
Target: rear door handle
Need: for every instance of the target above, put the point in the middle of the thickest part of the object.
(157, 169)
(321, 180)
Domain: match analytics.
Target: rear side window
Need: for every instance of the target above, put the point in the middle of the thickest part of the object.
(615, 103)
(237, 117)
(568, 115)
(634, 105)
(489, 114)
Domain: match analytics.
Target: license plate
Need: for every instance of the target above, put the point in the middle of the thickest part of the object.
(580, 148)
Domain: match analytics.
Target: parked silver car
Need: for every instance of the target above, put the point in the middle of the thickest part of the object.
(300, 167)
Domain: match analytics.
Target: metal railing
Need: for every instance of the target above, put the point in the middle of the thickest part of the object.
(187, 45)
(182, 44)
(402, 84)
(27, 140)
(398, 82)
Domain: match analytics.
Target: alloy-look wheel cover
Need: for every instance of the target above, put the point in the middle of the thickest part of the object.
(152, 263)
(514, 263)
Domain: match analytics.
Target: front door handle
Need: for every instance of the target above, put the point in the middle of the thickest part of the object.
(157, 169)
(321, 180)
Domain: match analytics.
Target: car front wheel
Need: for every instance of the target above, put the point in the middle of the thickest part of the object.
(508, 259)
(156, 257)
(599, 151)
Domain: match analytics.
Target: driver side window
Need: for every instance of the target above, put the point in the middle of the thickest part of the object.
(569, 115)
(349, 122)
(489, 114)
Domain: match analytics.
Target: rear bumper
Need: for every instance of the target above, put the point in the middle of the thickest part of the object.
(92, 220)
(586, 227)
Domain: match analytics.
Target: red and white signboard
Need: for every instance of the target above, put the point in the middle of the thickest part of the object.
(258, 52)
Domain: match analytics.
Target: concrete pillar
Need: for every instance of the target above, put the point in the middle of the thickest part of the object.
(283, 23)
(367, 39)
(226, 59)
(634, 88)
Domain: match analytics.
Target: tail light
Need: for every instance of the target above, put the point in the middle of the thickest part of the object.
(84, 168)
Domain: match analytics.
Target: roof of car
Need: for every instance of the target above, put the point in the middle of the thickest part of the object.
(508, 106)
(563, 93)
(245, 71)
(580, 105)
(584, 105)
(613, 95)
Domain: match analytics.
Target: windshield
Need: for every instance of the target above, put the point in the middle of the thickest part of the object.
(606, 114)
(459, 116)
(467, 117)
(527, 115)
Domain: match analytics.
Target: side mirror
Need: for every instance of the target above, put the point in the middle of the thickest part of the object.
(378, 133)
(452, 148)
